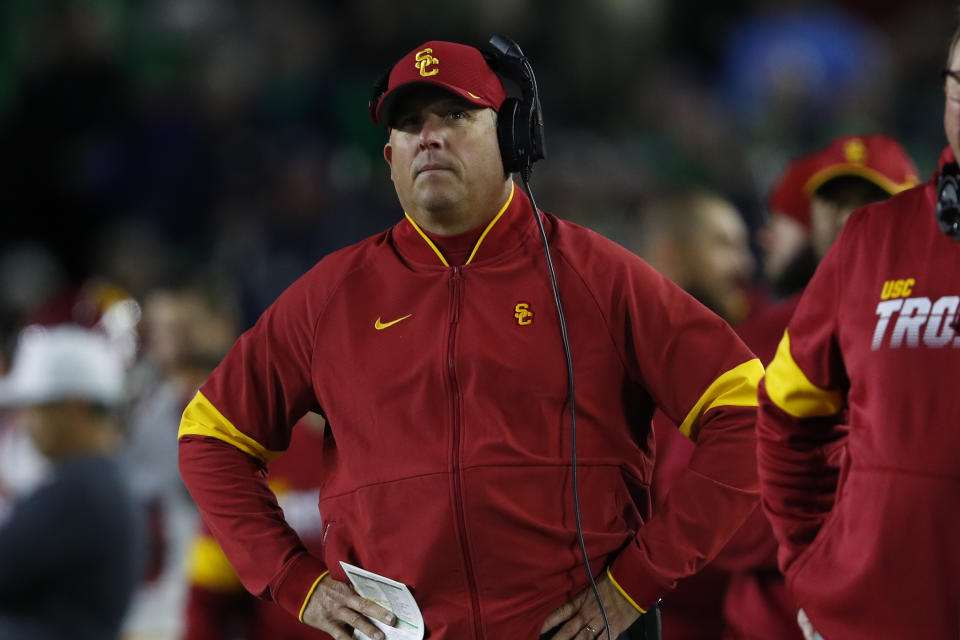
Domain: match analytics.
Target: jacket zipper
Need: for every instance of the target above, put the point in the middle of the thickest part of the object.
(456, 286)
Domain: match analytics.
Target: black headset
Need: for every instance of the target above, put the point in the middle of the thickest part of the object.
(948, 200)
(519, 120)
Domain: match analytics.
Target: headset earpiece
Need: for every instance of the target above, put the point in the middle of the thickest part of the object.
(948, 200)
(519, 120)
(510, 126)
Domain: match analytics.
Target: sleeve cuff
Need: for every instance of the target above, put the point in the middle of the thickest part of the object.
(316, 582)
(298, 585)
(633, 577)
(624, 593)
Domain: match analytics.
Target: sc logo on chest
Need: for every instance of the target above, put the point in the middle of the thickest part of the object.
(523, 314)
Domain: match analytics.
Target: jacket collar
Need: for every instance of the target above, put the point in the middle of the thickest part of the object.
(505, 231)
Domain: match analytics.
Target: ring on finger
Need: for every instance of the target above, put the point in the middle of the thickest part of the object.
(592, 630)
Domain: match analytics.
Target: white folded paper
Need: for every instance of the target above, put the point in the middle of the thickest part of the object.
(391, 595)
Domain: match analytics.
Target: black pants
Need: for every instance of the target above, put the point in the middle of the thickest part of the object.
(647, 627)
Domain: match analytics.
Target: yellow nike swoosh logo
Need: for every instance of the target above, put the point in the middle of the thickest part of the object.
(383, 325)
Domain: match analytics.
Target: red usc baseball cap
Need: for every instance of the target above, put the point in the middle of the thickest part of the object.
(876, 158)
(455, 67)
(788, 195)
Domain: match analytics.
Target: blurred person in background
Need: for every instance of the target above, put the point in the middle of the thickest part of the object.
(185, 331)
(35, 290)
(867, 363)
(741, 595)
(699, 240)
(22, 467)
(432, 352)
(819, 191)
(72, 551)
(852, 172)
(219, 607)
(784, 237)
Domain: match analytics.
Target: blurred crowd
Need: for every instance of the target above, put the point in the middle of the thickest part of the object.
(145, 140)
(170, 166)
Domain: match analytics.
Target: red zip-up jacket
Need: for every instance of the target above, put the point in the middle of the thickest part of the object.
(446, 463)
(870, 552)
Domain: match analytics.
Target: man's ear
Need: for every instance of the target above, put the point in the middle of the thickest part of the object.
(388, 154)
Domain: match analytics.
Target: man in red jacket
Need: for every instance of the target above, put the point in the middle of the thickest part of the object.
(874, 345)
(434, 353)
(850, 172)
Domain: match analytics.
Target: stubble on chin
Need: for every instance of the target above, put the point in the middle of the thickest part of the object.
(437, 199)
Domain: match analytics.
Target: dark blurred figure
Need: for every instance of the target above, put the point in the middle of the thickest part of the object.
(71, 552)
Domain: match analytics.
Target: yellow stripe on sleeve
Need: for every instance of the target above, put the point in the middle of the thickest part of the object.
(208, 567)
(791, 390)
(316, 583)
(735, 388)
(201, 418)
(623, 593)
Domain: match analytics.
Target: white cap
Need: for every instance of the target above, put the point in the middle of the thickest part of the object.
(60, 363)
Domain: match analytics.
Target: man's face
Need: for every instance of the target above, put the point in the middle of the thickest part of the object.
(951, 109)
(444, 158)
(49, 427)
(827, 219)
(718, 258)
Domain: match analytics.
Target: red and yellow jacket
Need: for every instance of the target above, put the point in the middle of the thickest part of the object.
(446, 463)
(874, 343)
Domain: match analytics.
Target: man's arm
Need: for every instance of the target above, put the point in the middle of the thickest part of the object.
(703, 378)
(710, 499)
(229, 486)
(705, 507)
(240, 420)
(802, 405)
(242, 512)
